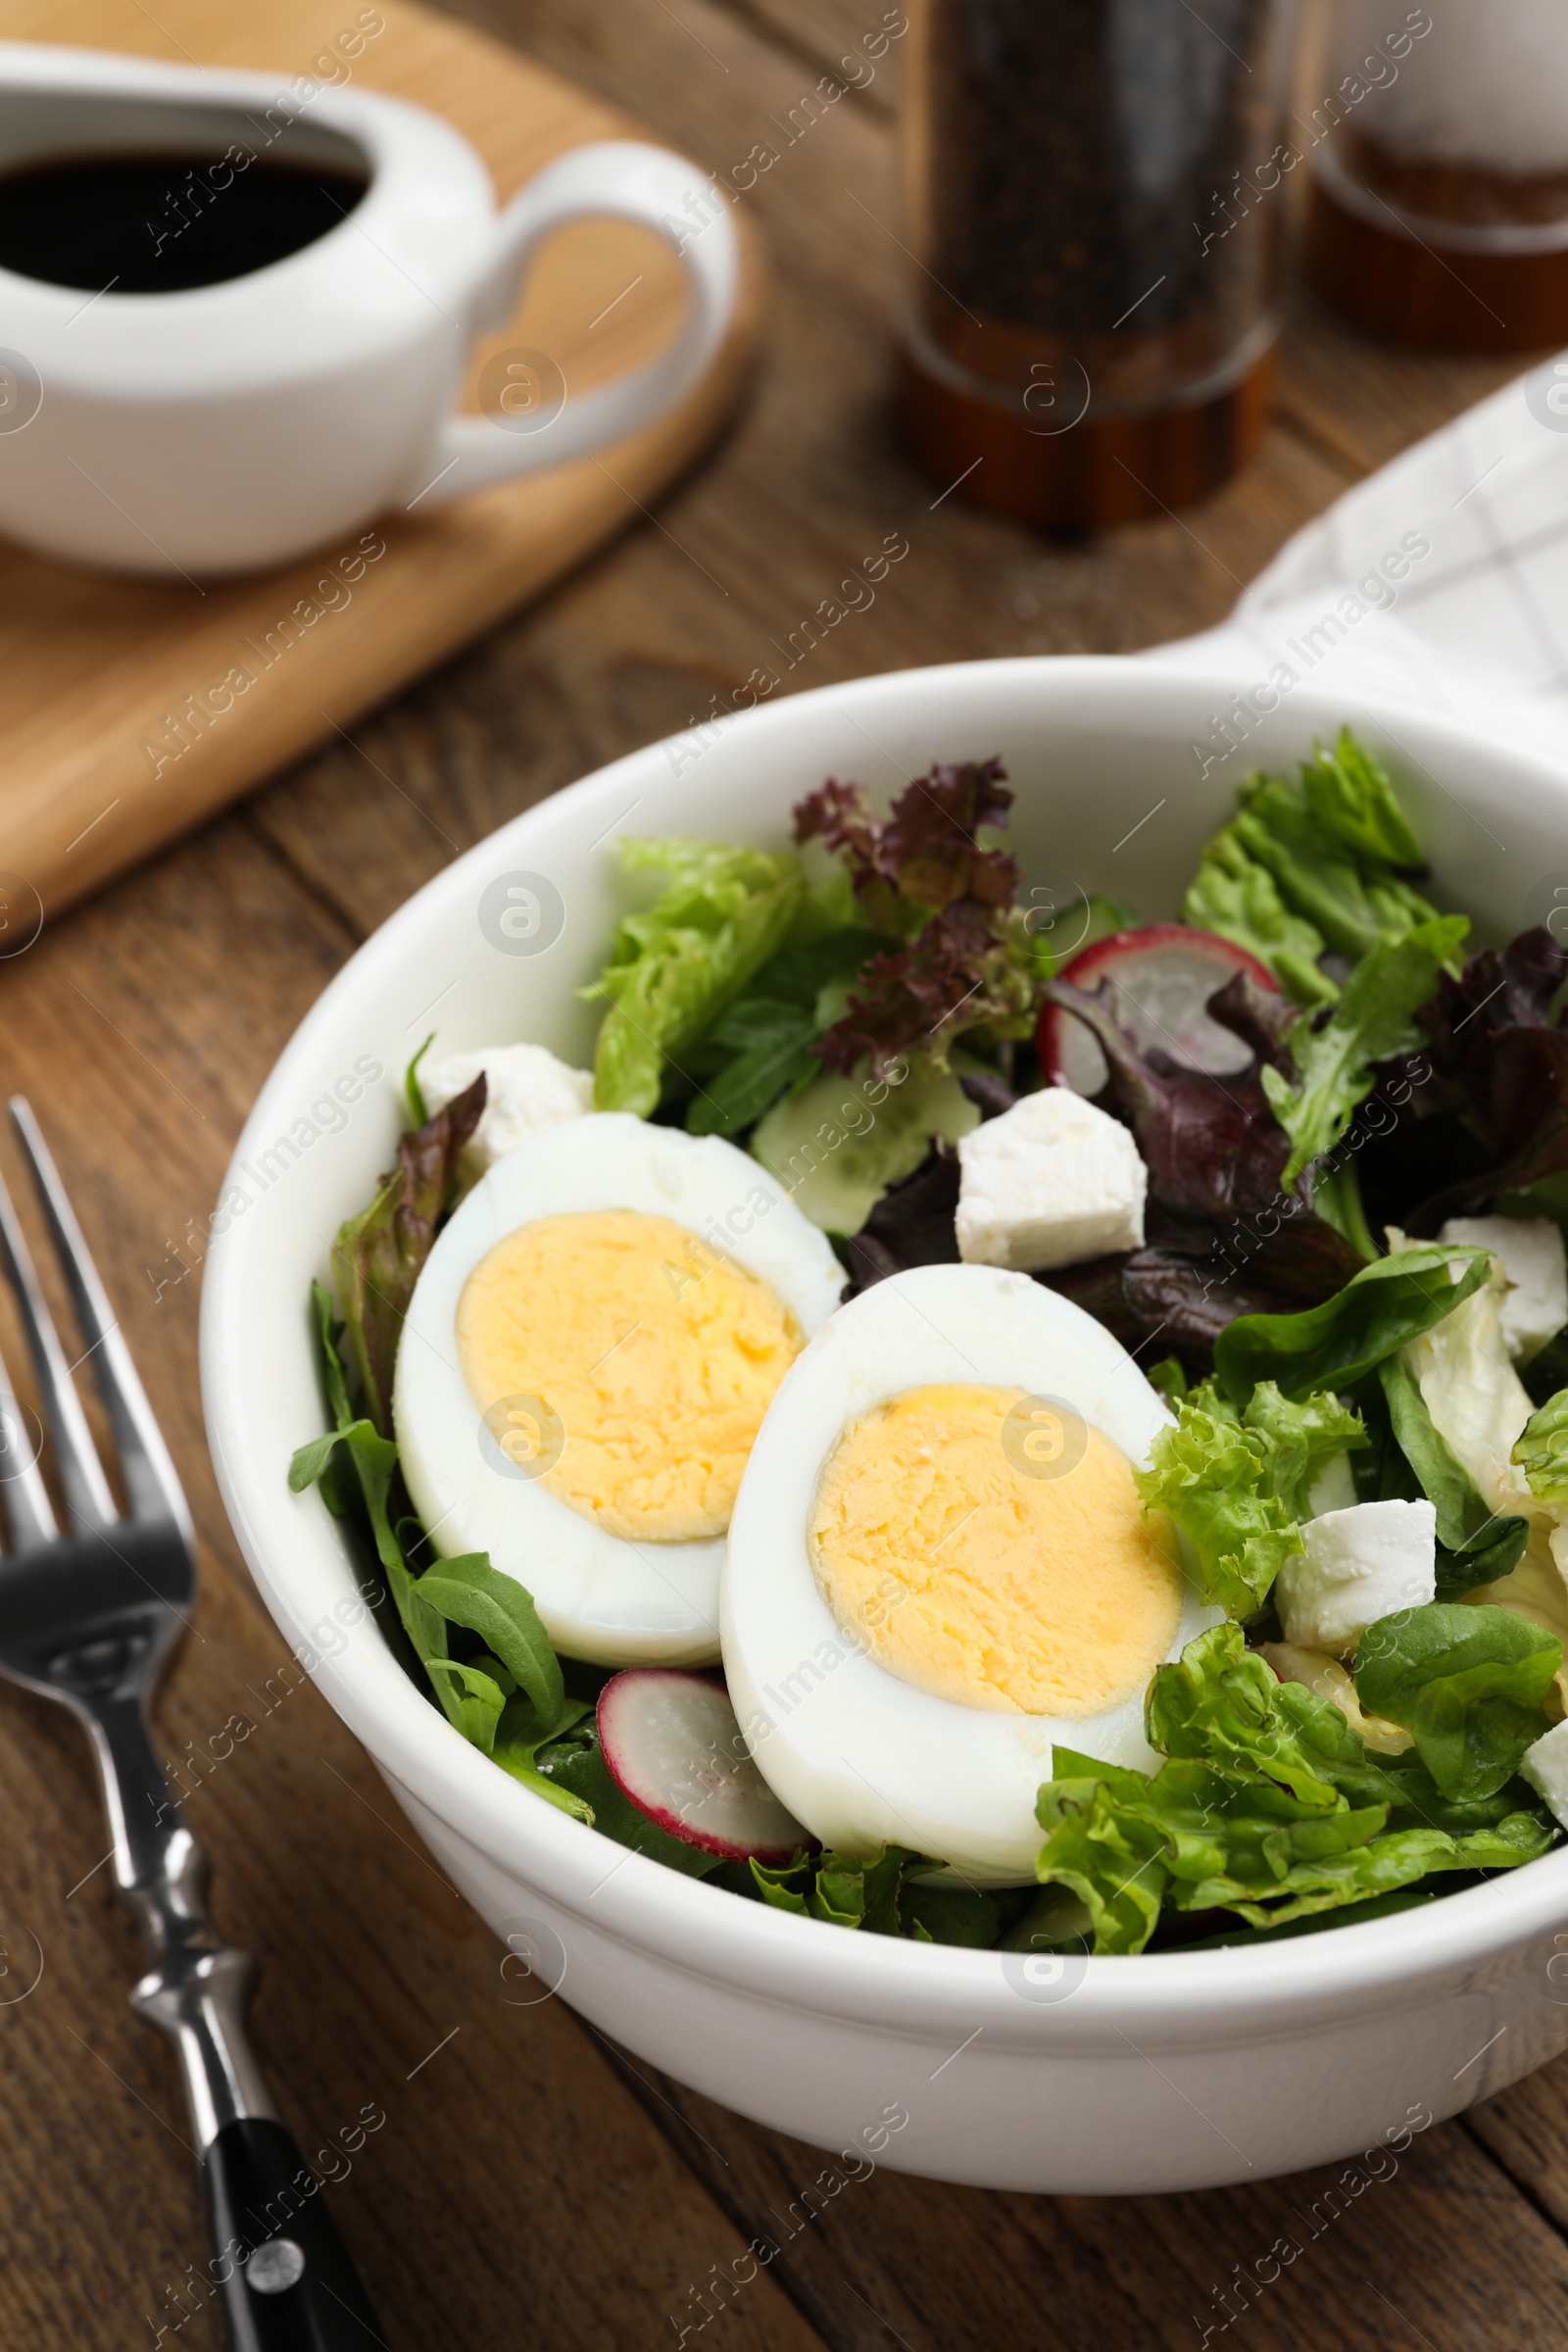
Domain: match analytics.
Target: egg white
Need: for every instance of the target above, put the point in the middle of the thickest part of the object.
(861, 1756)
(601, 1596)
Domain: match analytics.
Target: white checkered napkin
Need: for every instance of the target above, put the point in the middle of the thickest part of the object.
(1477, 625)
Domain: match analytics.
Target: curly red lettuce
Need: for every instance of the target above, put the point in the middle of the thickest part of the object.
(1489, 1096)
(921, 876)
(378, 1256)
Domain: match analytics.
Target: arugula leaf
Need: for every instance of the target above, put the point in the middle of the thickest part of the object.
(1234, 896)
(1541, 1450)
(379, 1255)
(975, 1918)
(479, 1695)
(574, 1768)
(1338, 1344)
(412, 1089)
(355, 1447)
(1351, 795)
(1475, 1546)
(769, 1039)
(1468, 1682)
(473, 1699)
(1236, 1485)
(468, 1591)
(1373, 1022)
(522, 1735)
(675, 966)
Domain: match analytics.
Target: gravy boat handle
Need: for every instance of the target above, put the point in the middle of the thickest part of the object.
(534, 420)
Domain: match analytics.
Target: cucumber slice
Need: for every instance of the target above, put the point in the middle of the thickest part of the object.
(836, 1152)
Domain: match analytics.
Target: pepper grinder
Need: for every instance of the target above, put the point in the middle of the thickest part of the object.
(1095, 200)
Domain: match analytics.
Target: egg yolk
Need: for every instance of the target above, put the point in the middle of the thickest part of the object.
(964, 1563)
(655, 1355)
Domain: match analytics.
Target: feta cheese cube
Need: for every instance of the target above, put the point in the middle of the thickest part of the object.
(527, 1088)
(1050, 1183)
(1544, 1766)
(1532, 1255)
(1358, 1565)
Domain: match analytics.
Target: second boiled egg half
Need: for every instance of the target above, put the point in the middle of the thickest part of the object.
(586, 1361)
(939, 1568)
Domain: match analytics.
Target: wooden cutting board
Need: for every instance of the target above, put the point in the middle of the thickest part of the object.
(110, 744)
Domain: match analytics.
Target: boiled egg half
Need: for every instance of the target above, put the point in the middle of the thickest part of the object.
(939, 1568)
(586, 1361)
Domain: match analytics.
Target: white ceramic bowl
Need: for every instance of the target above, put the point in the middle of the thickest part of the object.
(1164, 2072)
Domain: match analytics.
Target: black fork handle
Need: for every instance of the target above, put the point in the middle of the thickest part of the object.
(284, 2277)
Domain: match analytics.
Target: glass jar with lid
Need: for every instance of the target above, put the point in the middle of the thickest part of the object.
(1095, 207)
(1439, 173)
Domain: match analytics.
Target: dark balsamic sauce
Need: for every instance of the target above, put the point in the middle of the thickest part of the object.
(164, 224)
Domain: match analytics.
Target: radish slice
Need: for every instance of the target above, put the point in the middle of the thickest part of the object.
(1162, 978)
(673, 1746)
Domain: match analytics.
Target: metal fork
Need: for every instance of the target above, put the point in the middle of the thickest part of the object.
(88, 1615)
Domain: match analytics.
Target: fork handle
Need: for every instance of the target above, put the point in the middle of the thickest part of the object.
(286, 2281)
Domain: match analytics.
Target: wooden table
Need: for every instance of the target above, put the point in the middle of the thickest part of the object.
(528, 2187)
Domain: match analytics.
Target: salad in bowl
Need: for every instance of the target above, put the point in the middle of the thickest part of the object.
(988, 1416)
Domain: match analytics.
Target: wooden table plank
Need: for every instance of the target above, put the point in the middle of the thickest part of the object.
(1363, 2257)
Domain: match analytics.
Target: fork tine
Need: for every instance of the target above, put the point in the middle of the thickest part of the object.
(150, 1477)
(29, 1514)
(81, 1474)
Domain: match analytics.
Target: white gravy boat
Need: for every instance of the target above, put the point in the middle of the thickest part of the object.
(236, 424)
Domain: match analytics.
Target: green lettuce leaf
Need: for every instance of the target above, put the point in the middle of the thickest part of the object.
(1219, 1701)
(1351, 797)
(1541, 1450)
(1337, 1344)
(1103, 1847)
(1232, 894)
(1204, 1837)
(1469, 1683)
(1355, 901)
(1474, 1546)
(844, 1891)
(675, 966)
(1236, 1483)
(1270, 1807)
(1373, 1022)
